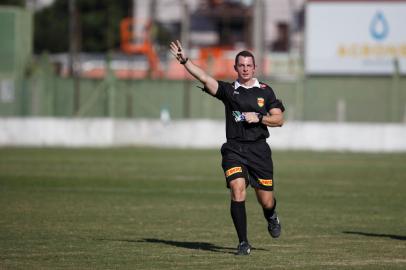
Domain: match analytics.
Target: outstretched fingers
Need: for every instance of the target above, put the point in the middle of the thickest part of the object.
(174, 49)
(177, 50)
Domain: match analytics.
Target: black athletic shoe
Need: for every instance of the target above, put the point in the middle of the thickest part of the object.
(274, 226)
(243, 248)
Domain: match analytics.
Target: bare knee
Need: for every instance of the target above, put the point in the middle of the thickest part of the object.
(238, 190)
(265, 198)
(268, 204)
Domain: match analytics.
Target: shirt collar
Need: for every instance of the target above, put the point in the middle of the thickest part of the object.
(237, 84)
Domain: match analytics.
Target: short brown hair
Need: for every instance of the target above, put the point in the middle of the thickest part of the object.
(244, 54)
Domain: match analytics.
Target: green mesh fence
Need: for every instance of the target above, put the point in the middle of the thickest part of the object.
(354, 99)
(15, 54)
(42, 93)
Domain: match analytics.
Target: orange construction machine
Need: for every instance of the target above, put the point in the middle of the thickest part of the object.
(140, 45)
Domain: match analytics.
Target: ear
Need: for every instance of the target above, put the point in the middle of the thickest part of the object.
(235, 67)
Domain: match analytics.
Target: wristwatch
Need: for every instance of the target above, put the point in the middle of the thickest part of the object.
(260, 116)
(184, 61)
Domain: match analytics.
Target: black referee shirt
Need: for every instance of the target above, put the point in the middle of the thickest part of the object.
(237, 99)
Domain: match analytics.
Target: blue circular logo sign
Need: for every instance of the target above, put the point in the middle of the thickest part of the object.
(379, 27)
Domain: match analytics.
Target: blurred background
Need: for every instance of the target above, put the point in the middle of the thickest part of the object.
(329, 61)
(101, 131)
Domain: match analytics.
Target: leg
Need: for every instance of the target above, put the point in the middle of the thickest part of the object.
(238, 213)
(238, 190)
(267, 200)
(235, 173)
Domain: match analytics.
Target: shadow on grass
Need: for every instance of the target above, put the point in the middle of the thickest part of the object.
(190, 245)
(182, 244)
(391, 236)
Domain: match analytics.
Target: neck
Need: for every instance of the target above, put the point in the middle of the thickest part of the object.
(247, 83)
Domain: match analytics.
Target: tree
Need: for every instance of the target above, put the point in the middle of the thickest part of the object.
(19, 3)
(99, 22)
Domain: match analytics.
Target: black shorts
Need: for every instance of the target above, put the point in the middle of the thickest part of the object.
(252, 161)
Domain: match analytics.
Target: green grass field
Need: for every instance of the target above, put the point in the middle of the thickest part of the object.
(145, 208)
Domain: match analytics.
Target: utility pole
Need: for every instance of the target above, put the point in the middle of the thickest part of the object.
(184, 38)
(141, 16)
(258, 34)
(73, 53)
(185, 25)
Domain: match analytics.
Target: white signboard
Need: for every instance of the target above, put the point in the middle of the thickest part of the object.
(355, 37)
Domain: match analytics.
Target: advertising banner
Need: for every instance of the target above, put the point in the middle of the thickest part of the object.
(355, 37)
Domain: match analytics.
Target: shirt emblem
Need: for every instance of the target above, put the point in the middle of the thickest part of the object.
(260, 102)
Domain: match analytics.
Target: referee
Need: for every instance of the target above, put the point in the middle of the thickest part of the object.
(250, 107)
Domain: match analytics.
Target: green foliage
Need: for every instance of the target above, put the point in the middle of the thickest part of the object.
(143, 208)
(51, 28)
(99, 22)
(19, 3)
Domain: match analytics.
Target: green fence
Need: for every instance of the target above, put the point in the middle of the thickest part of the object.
(340, 98)
(15, 55)
(16, 40)
(38, 91)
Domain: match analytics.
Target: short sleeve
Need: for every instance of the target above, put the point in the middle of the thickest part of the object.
(222, 90)
(274, 102)
(277, 103)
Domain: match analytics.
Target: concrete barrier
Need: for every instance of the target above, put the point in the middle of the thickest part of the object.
(197, 133)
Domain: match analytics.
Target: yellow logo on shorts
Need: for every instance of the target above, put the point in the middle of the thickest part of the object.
(260, 102)
(266, 182)
(233, 170)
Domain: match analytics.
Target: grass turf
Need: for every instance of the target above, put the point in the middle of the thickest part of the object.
(144, 208)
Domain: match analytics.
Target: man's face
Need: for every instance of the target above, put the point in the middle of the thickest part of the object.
(245, 68)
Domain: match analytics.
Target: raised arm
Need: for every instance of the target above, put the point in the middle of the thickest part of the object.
(209, 82)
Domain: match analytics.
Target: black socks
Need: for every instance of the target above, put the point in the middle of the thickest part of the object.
(268, 213)
(239, 216)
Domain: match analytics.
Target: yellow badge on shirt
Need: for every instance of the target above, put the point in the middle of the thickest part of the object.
(260, 102)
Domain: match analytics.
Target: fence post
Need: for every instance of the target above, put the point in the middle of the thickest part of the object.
(49, 83)
(395, 96)
(44, 93)
(186, 98)
(300, 89)
(111, 89)
(341, 110)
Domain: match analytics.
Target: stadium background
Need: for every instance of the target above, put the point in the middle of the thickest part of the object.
(40, 91)
(124, 84)
(133, 207)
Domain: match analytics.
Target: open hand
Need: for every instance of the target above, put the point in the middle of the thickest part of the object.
(177, 51)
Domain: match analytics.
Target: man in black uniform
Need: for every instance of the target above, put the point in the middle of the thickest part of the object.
(250, 107)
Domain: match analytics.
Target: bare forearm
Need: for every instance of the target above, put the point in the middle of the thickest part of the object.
(210, 83)
(196, 71)
(273, 120)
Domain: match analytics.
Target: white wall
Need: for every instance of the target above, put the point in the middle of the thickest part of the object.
(106, 132)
